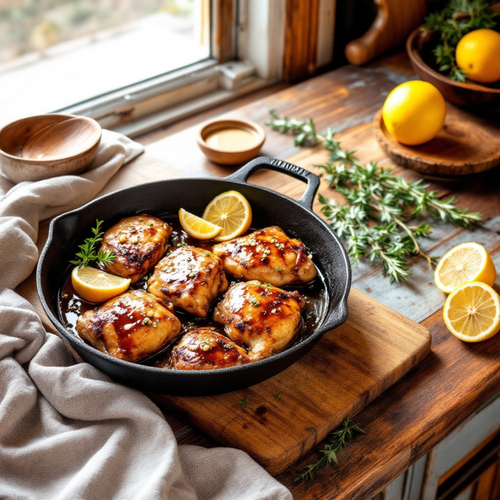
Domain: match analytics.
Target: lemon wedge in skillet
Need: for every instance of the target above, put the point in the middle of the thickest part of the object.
(196, 227)
(232, 212)
(95, 285)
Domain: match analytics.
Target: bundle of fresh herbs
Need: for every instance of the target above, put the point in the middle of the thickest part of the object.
(375, 219)
(451, 24)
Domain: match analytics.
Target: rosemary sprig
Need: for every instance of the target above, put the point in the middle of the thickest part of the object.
(339, 439)
(451, 24)
(88, 255)
(374, 220)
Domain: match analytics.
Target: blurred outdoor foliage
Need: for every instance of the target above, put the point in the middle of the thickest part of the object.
(28, 26)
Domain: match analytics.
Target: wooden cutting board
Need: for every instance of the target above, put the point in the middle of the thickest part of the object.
(287, 415)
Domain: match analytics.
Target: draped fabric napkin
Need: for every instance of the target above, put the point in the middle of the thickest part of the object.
(67, 431)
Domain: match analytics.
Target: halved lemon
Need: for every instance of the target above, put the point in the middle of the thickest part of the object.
(232, 212)
(196, 227)
(466, 262)
(472, 312)
(95, 285)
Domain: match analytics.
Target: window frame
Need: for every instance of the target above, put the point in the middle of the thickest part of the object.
(251, 43)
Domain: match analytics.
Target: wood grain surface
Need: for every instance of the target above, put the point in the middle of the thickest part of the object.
(222, 33)
(394, 22)
(455, 379)
(467, 144)
(301, 38)
(349, 367)
(63, 139)
(476, 97)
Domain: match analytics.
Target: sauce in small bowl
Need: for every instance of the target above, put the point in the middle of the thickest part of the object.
(232, 139)
(231, 142)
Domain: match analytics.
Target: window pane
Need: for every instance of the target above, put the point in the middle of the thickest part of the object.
(54, 53)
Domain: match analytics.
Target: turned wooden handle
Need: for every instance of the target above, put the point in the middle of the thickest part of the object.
(394, 22)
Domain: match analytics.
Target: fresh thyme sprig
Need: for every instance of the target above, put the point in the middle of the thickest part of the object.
(88, 255)
(374, 221)
(304, 131)
(451, 24)
(339, 439)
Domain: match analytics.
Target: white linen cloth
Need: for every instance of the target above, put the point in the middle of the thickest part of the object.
(67, 431)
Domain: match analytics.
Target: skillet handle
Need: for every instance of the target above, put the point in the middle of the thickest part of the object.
(339, 316)
(303, 175)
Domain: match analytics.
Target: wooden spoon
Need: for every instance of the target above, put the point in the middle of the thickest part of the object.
(62, 140)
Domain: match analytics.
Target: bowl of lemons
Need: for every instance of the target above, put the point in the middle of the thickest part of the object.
(468, 75)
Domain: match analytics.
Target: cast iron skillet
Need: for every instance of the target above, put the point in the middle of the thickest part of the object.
(165, 197)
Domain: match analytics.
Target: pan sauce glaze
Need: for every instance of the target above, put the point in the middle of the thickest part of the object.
(71, 306)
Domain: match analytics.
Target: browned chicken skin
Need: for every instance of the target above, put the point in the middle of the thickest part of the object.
(190, 278)
(138, 243)
(205, 349)
(131, 326)
(260, 316)
(268, 255)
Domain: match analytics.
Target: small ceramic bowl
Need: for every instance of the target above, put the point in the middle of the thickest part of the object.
(469, 95)
(229, 151)
(15, 135)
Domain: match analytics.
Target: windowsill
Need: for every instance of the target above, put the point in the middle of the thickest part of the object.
(193, 106)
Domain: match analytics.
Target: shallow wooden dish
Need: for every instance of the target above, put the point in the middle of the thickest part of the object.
(472, 96)
(467, 144)
(230, 157)
(15, 135)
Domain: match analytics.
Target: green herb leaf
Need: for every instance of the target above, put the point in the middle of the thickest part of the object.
(451, 24)
(338, 439)
(88, 256)
(374, 220)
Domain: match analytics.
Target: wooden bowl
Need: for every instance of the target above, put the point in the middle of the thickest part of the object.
(14, 136)
(473, 96)
(467, 144)
(236, 156)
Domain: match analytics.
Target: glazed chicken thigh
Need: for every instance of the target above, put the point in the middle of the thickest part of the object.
(268, 255)
(190, 278)
(131, 326)
(205, 349)
(260, 316)
(138, 243)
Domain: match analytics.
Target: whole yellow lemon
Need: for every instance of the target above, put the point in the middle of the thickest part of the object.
(414, 112)
(478, 54)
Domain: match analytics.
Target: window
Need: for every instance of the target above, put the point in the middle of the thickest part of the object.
(136, 65)
(55, 53)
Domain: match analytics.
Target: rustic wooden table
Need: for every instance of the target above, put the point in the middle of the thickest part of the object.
(455, 379)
